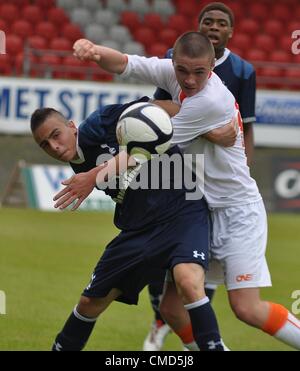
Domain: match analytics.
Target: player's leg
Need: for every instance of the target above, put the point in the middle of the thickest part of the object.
(159, 328)
(81, 322)
(272, 318)
(210, 290)
(189, 280)
(177, 317)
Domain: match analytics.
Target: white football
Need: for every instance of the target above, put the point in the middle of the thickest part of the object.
(144, 128)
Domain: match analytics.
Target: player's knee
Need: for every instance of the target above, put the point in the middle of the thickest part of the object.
(189, 289)
(90, 307)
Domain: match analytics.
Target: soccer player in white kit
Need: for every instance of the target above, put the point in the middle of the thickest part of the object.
(239, 233)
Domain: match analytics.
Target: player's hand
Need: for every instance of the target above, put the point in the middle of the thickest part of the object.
(85, 50)
(78, 187)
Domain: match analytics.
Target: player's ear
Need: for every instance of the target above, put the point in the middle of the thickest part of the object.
(71, 124)
(230, 34)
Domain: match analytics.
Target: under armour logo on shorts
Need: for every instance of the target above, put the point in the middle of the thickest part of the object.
(198, 255)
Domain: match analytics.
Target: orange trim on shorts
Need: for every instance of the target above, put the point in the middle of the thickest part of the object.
(186, 334)
(278, 316)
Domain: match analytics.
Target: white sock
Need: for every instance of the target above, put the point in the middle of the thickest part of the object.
(290, 332)
(191, 346)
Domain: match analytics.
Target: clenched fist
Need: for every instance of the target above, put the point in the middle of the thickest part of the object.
(85, 50)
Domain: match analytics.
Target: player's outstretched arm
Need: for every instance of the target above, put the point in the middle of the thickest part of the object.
(224, 136)
(110, 60)
(79, 186)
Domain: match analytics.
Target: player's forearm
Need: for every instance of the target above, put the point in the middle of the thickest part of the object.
(170, 107)
(224, 136)
(112, 60)
(114, 167)
(109, 59)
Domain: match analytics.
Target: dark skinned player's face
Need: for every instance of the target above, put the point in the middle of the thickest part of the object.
(215, 24)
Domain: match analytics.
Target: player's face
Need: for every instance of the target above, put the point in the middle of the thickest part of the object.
(192, 73)
(216, 25)
(57, 139)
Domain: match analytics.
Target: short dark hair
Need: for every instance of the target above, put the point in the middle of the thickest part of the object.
(193, 44)
(217, 6)
(40, 115)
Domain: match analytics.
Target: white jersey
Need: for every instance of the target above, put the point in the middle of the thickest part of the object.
(227, 180)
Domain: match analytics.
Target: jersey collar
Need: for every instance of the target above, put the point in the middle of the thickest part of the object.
(223, 58)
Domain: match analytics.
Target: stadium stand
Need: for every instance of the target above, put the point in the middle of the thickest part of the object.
(144, 26)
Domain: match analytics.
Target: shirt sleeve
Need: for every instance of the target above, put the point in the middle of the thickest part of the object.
(247, 96)
(198, 116)
(156, 71)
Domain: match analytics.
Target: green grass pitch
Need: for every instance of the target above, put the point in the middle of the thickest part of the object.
(46, 260)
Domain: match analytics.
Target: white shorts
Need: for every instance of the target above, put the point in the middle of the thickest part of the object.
(238, 246)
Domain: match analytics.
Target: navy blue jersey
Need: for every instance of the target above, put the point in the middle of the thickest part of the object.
(240, 78)
(135, 208)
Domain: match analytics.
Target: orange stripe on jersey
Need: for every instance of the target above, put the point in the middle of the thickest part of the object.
(182, 96)
(278, 316)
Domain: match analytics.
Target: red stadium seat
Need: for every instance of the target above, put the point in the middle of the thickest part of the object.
(131, 20)
(33, 14)
(46, 30)
(61, 44)
(265, 42)
(250, 26)
(281, 56)
(9, 12)
(37, 42)
(256, 55)
(153, 20)
(292, 26)
(237, 8)
(74, 68)
(168, 36)
(296, 58)
(282, 12)
(145, 36)
(72, 32)
(239, 52)
(259, 11)
(25, 65)
(48, 65)
(14, 45)
(179, 23)
(4, 26)
(158, 49)
(272, 77)
(187, 7)
(6, 67)
(240, 41)
(45, 4)
(22, 28)
(57, 16)
(17, 3)
(286, 42)
(273, 27)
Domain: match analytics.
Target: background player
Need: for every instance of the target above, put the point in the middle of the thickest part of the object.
(159, 228)
(237, 210)
(216, 20)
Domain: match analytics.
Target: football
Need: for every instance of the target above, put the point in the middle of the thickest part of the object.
(145, 129)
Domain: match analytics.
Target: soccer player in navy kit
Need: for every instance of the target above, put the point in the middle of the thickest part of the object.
(216, 20)
(158, 229)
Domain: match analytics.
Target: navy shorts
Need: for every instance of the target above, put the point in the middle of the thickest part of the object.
(135, 258)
